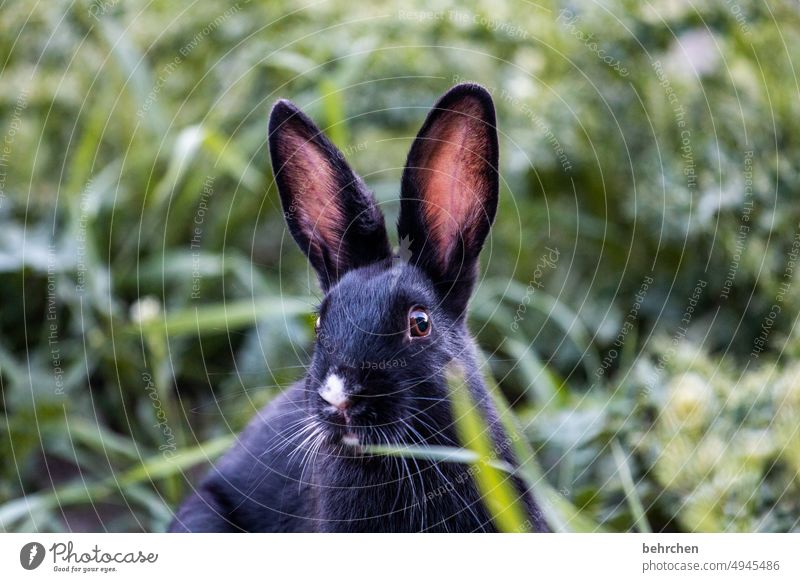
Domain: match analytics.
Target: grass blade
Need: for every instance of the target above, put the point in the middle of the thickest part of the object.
(631, 495)
(220, 318)
(497, 490)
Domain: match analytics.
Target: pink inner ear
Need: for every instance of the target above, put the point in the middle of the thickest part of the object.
(452, 174)
(309, 174)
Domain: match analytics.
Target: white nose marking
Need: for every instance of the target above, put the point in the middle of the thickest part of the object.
(332, 391)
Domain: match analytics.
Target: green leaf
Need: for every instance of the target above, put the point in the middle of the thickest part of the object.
(152, 469)
(439, 454)
(497, 489)
(221, 318)
(631, 495)
(333, 111)
(559, 513)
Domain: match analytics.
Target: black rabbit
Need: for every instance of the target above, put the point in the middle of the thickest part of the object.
(388, 327)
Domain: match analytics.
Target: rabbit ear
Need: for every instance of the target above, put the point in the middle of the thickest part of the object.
(449, 191)
(331, 214)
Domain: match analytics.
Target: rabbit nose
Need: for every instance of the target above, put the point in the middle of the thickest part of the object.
(333, 392)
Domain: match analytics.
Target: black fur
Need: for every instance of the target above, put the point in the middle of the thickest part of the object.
(291, 469)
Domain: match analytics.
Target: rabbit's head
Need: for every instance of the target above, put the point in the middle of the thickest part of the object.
(390, 323)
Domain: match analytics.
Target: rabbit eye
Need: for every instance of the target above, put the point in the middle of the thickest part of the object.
(419, 321)
(316, 326)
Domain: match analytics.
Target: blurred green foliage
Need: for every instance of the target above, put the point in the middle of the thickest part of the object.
(152, 300)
